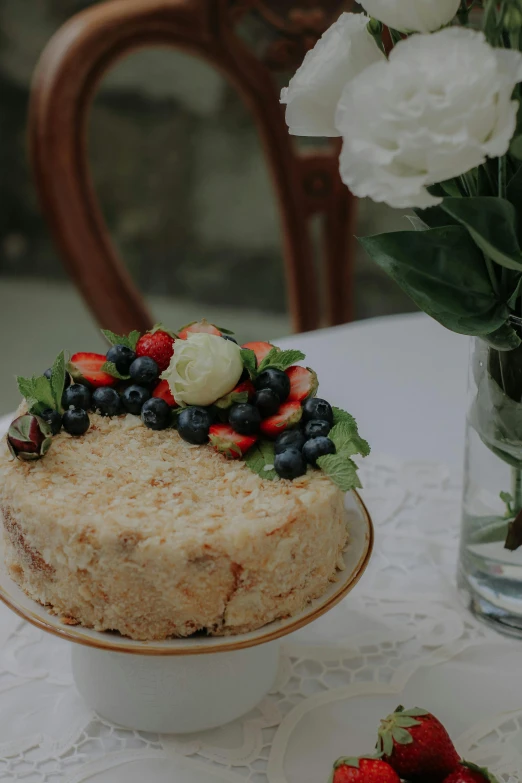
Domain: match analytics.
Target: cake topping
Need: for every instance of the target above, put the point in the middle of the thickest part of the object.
(253, 402)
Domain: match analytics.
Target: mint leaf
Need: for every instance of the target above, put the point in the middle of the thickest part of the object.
(128, 341)
(43, 391)
(280, 360)
(249, 360)
(58, 380)
(261, 456)
(25, 387)
(360, 445)
(341, 471)
(110, 367)
(38, 393)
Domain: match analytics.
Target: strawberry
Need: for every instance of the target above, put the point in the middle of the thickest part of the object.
(363, 770)
(198, 326)
(260, 349)
(417, 746)
(158, 345)
(303, 383)
(229, 442)
(470, 773)
(88, 367)
(163, 391)
(288, 415)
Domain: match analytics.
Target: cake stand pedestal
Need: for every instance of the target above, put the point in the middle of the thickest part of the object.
(193, 684)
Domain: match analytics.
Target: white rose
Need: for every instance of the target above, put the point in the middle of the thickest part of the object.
(422, 16)
(437, 109)
(203, 368)
(311, 98)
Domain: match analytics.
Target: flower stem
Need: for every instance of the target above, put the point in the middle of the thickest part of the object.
(502, 177)
(516, 489)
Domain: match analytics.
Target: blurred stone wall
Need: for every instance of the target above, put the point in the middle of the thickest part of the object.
(179, 172)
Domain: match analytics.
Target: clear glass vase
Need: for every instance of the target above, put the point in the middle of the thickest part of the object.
(490, 567)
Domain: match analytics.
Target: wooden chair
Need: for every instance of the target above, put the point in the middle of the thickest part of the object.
(306, 185)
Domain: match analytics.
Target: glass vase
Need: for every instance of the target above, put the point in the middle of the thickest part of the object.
(490, 566)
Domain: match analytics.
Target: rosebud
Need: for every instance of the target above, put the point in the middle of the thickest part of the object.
(29, 437)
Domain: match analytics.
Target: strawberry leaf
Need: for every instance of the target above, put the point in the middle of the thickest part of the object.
(405, 722)
(415, 712)
(347, 761)
(58, 381)
(234, 398)
(110, 368)
(401, 736)
(488, 776)
(387, 743)
(280, 360)
(129, 341)
(260, 459)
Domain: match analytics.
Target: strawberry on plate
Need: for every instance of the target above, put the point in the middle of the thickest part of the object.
(229, 442)
(197, 327)
(417, 746)
(158, 345)
(288, 415)
(363, 770)
(86, 368)
(163, 392)
(260, 349)
(466, 772)
(303, 383)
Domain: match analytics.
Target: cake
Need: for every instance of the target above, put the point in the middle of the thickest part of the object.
(157, 527)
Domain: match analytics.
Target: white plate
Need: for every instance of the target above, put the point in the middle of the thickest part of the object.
(356, 559)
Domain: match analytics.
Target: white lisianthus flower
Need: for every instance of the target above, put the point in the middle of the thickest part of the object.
(311, 98)
(435, 110)
(203, 368)
(421, 16)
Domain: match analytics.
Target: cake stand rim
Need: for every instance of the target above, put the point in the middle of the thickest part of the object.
(101, 640)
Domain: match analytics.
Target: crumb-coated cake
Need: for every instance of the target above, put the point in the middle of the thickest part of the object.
(162, 506)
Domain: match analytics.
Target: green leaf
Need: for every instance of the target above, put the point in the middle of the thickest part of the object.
(387, 743)
(512, 301)
(129, 341)
(25, 387)
(110, 368)
(491, 222)
(260, 457)
(346, 426)
(38, 393)
(249, 360)
(341, 471)
(514, 189)
(280, 360)
(445, 274)
(405, 722)
(58, 381)
(503, 339)
(482, 770)
(347, 761)
(435, 217)
(401, 736)
(451, 188)
(415, 712)
(224, 331)
(515, 148)
(234, 398)
(417, 223)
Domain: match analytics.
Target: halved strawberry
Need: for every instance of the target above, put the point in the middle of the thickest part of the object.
(196, 327)
(303, 383)
(288, 415)
(87, 367)
(229, 442)
(260, 349)
(158, 345)
(163, 391)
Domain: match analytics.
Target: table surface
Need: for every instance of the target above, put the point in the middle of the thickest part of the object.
(402, 636)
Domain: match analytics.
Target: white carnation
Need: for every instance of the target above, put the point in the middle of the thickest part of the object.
(435, 110)
(203, 368)
(311, 98)
(422, 16)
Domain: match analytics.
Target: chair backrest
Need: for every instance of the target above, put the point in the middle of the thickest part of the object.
(65, 82)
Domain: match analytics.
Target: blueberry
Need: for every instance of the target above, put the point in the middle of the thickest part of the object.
(316, 428)
(290, 464)
(144, 371)
(276, 380)
(134, 397)
(155, 414)
(67, 383)
(75, 421)
(194, 424)
(228, 337)
(317, 447)
(267, 402)
(106, 401)
(77, 396)
(291, 439)
(122, 357)
(244, 418)
(53, 419)
(315, 408)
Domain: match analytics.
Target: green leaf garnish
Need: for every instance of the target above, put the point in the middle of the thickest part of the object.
(341, 471)
(339, 467)
(249, 360)
(38, 393)
(110, 368)
(58, 380)
(129, 341)
(234, 398)
(349, 432)
(280, 360)
(223, 331)
(260, 457)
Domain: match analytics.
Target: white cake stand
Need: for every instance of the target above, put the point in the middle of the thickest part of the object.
(193, 684)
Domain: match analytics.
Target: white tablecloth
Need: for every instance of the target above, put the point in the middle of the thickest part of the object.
(400, 637)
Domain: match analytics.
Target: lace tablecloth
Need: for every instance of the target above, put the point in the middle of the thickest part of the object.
(401, 637)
